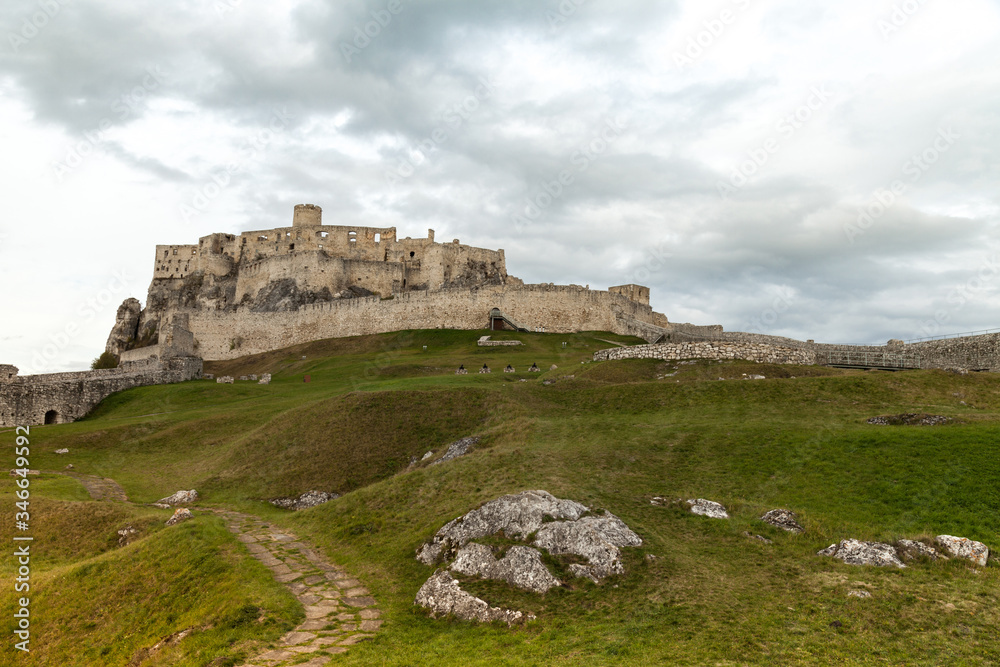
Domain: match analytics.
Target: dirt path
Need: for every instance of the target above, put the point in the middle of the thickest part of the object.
(99, 488)
(339, 610)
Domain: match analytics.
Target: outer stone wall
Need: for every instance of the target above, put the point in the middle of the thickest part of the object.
(718, 350)
(556, 308)
(66, 397)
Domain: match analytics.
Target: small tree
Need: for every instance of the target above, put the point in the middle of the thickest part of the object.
(106, 360)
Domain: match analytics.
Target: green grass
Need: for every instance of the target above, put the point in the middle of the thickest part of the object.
(610, 435)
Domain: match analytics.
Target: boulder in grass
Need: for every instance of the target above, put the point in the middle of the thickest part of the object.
(62, 451)
(516, 516)
(442, 595)
(855, 552)
(598, 539)
(180, 514)
(963, 547)
(520, 566)
(708, 508)
(784, 519)
(180, 498)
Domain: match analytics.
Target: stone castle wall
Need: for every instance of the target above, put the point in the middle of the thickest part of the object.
(64, 397)
(981, 353)
(554, 308)
(716, 350)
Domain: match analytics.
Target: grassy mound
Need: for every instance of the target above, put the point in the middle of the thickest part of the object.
(611, 435)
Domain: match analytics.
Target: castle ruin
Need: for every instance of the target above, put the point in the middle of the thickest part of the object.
(267, 289)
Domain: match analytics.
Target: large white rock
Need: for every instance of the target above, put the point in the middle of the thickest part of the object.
(962, 547)
(855, 552)
(516, 516)
(442, 595)
(520, 566)
(180, 498)
(595, 538)
(708, 508)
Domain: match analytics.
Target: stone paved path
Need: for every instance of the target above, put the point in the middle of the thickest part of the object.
(339, 610)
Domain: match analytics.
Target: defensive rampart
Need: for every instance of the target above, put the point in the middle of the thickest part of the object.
(58, 398)
(554, 308)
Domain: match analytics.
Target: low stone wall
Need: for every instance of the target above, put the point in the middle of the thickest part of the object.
(718, 350)
(65, 397)
(968, 352)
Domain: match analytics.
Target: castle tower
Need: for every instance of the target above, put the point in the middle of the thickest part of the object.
(307, 215)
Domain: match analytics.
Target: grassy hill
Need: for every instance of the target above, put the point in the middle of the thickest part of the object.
(610, 435)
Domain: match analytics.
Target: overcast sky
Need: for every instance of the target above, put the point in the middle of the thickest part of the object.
(815, 170)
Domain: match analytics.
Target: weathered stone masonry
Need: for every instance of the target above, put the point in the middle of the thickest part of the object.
(717, 350)
(58, 398)
(980, 353)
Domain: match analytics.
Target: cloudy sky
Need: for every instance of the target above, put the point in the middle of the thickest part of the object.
(816, 170)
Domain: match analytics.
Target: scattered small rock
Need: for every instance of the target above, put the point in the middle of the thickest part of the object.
(180, 498)
(305, 501)
(225, 379)
(427, 456)
(708, 508)
(548, 382)
(442, 595)
(784, 519)
(909, 419)
(458, 448)
(162, 506)
(855, 552)
(553, 367)
(125, 535)
(962, 547)
(264, 379)
(859, 594)
(69, 466)
(180, 514)
(760, 538)
(62, 451)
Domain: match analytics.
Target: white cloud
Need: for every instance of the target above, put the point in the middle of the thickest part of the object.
(653, 192)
